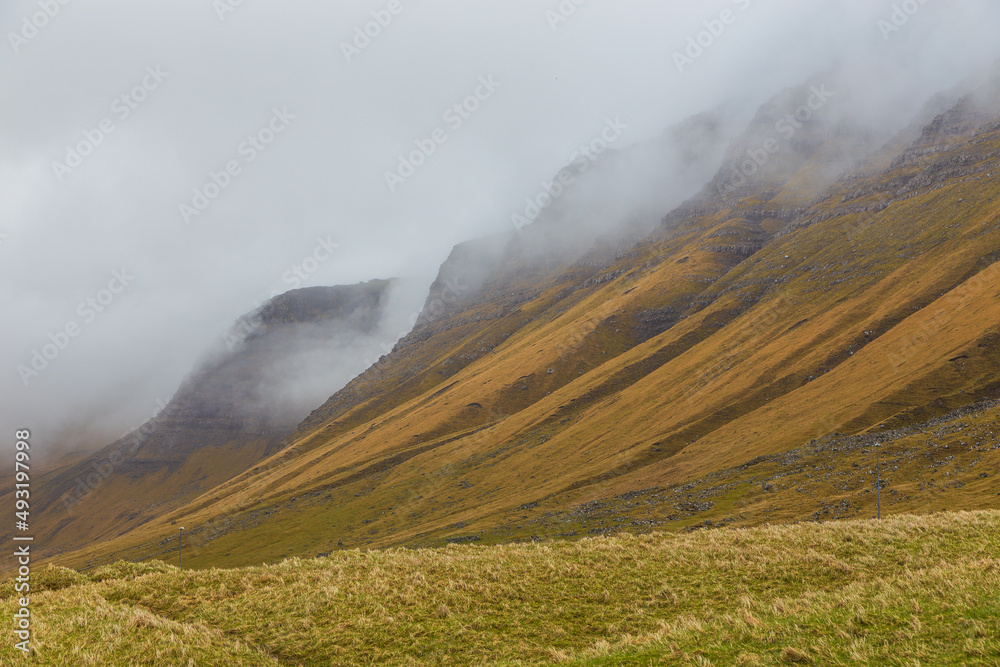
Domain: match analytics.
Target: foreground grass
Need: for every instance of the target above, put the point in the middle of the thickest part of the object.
(905, 591)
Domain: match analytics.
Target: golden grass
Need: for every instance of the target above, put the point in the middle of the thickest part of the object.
(903, 591)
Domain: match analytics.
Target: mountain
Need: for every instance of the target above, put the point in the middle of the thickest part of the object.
(832, 286)
(265, 375)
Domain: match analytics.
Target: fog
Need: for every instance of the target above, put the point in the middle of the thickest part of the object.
(284, 359)
(166, 167)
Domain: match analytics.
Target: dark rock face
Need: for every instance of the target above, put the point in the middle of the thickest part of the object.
(273, 375)
(461, 277)
(234, 409)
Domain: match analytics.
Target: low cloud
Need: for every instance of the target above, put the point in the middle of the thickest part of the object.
(204, 146)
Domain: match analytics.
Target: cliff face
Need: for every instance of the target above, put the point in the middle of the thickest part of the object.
(278, 363)
(234, 409)
(461, 278)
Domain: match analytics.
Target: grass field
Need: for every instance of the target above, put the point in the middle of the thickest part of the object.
(904, 591)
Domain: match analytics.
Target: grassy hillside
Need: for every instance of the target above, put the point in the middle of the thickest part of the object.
(904, 591)
(740, 331)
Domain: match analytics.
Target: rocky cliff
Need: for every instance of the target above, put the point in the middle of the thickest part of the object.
(270, 370)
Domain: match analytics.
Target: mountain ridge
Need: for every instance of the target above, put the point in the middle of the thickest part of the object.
(739, 328)
(224, 417)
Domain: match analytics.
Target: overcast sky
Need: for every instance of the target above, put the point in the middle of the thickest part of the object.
(113, 115)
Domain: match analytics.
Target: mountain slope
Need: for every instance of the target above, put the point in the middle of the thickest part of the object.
(745, 326)
(232, 411)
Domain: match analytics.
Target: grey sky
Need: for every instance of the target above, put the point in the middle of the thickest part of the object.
(199, 85)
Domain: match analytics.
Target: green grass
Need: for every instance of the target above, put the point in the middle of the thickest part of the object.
(905, 591)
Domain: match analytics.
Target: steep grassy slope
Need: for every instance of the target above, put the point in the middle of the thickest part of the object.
(947, 463)
(740, 329)
(903, 591)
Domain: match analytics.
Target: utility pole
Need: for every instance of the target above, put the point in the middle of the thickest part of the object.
(878, 481)
(180, 545)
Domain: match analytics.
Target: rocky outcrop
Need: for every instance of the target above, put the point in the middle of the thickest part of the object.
(273, 367)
